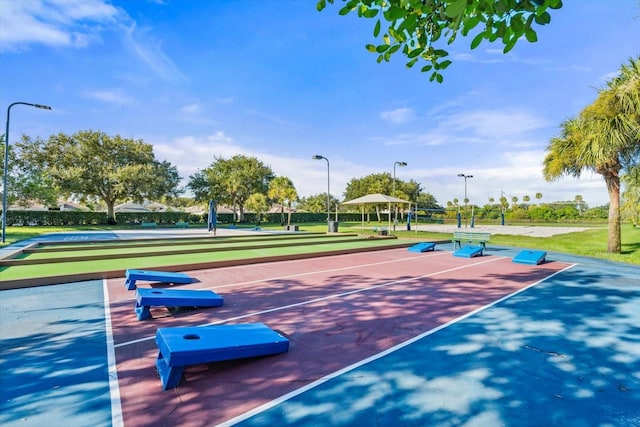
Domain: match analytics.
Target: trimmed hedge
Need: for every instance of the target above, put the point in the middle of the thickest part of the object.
(60, 218)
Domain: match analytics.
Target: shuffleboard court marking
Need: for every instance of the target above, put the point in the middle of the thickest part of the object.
(383, 353)
(112, 369)
(307, 273)
(329, 297)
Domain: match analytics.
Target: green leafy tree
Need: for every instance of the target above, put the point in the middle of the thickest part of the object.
(426, 201)
(91, 165)
(630, 205)
(27, 182)
(282, 190)
(379, 183)
(318, 203)
(604, 138)
(231, 181)
(257, 202)
(420, 28)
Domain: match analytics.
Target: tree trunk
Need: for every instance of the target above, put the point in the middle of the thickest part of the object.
(614, 240)
(111, 215)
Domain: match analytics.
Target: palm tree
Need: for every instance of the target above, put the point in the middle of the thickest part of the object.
(605, 138)
(281, 190)
(538, 196)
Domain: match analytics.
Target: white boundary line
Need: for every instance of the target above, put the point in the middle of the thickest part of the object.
(328, 297)
(342, 371)
(114, 388)
(306, 273)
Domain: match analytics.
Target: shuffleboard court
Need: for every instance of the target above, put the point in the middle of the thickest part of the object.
(336, 311)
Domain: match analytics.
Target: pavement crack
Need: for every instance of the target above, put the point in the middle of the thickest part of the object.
(550, 353)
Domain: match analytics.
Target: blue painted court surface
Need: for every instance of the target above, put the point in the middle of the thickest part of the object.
(561, 352)
(54, 363)
(565, 352)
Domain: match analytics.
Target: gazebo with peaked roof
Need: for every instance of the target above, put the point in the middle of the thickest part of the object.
(376, 199)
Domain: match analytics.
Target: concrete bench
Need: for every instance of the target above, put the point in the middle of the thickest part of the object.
(131, 276)
(182, 224)
(381, 231)
(149, 297)
(470, 237)
(149, 225)
(185, 346)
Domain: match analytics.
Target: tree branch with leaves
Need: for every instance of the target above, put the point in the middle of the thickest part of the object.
(421, 29)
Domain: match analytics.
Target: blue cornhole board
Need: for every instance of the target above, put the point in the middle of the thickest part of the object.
(185, 346)
(154, 276)
(422, 247)
(530, 257)
(149, 297)
(468, 251)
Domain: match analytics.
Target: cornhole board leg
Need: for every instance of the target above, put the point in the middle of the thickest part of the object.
(422, 247)
(147, 297)
(184, 346)
(154, 276)
(469, 251)
(530, 257)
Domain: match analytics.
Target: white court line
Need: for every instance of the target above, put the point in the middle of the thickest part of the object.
(356, 365)
(307, 273)
(333, 296)
(114, 388)
(310, 273)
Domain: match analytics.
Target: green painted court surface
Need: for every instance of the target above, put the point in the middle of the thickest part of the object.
(66, 259)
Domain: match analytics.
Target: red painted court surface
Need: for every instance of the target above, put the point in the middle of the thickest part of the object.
(336, 311)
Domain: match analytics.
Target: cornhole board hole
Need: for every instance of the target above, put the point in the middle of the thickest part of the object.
(185, 346)
(422, 247)
(468, 251)
(149, 297)
(154, 276)
(530, 257)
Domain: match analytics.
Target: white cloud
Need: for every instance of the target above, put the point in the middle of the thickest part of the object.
(512, 127)
(116, 97)
(517, 174)
(70, 23)
(398, 116)
(149, 50)
(191, 109)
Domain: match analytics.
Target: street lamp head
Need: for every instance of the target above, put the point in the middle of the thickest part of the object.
(317, 157)
(401, 163)
(461, 175)
(6, 164)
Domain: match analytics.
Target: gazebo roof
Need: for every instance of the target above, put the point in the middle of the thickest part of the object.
(370, 199)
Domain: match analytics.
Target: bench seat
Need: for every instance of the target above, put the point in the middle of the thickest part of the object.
(185, 346)
(149, 297)
(470, 237)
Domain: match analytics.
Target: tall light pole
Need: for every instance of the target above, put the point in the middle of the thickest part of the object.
(319, 157)
(395, 207)
(465, 196)
(6, 165)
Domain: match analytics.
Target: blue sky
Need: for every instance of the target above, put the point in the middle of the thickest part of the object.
(282, 82)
